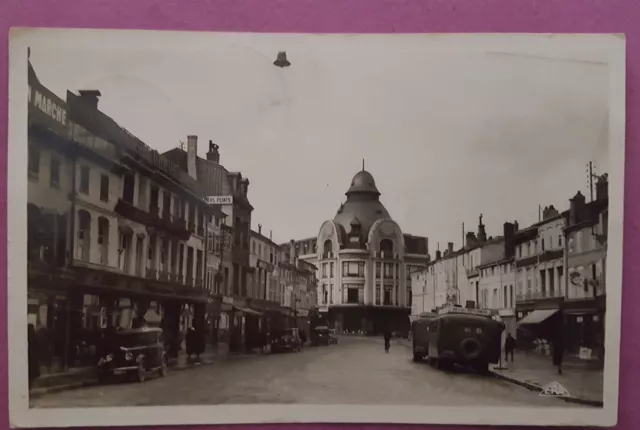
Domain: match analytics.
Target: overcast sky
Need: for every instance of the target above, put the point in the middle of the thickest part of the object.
(448, 131)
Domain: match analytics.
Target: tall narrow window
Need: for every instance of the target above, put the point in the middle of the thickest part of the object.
(143, 186)
(84, 180)
(104, 188)
(55, 173)
(140, 256)
(103, 240)
(34, 161)
(84, 235)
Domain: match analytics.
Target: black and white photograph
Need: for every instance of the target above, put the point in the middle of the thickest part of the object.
(227, 228)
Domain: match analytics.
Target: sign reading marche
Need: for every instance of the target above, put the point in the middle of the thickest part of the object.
(219, 200)
(47, 108)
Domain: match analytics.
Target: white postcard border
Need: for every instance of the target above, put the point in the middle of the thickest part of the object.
(22, 416)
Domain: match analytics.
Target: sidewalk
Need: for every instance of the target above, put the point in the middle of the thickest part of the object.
(86, 376)
(535, 372)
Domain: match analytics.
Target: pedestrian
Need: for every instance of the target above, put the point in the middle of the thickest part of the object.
(558, 351)
(34, 359)
(191, 342)
(509, 347)
(387, 341)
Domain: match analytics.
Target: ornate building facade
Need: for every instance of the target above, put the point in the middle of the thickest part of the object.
(364, 263)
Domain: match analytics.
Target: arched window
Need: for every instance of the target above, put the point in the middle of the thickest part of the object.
(386, 246)
(103, 240)
(327, 248)
(84, 235)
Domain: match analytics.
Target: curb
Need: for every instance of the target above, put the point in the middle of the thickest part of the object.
(537, 388)
(39, 392)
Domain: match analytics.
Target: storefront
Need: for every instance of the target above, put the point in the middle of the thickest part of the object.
(584, 327)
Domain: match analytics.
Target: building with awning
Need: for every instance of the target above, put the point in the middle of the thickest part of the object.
(538, 316)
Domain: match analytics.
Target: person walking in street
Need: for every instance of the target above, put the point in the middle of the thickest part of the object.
(387, 341)
(509, 347)
(558, 351)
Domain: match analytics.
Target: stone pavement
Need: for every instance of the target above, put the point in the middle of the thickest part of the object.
(583, 382)
(355, 371)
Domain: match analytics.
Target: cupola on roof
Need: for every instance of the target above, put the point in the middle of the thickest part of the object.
(363, 207)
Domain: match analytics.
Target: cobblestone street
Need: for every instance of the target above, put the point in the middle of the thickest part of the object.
(356, 371)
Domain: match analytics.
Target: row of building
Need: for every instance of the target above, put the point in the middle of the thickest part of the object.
(542, 280)
(121, 236)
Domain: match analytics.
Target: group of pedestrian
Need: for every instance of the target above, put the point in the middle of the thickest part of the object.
(558, 348)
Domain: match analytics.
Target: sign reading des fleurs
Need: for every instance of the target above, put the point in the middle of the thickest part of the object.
(47, 109)
(219, 200)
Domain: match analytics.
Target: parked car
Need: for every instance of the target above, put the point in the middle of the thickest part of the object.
(333, 336)
(133, 354)
(321, 335)
(286, 340)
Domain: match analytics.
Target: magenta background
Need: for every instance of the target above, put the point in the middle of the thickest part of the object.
(365, 16)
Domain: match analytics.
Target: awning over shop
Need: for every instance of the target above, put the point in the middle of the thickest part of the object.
(247, 311)
(580, 311)
(538, 316)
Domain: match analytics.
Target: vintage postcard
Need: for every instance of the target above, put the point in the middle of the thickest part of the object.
(210, 228)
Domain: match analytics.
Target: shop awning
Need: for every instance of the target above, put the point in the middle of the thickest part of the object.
(247, 311)
(537, 316)
(580, 311)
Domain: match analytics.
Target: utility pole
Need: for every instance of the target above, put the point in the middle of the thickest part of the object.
(591, 180)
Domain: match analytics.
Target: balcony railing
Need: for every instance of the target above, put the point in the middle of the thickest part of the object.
(176, 227)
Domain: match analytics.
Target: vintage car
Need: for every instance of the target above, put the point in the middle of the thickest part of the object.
(333, 337)
(321, 335)
(286, 340)
(133, 354)
(468, 337)
(420, 335)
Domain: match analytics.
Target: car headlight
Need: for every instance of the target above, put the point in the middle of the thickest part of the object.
(128, 356)
(108, 358)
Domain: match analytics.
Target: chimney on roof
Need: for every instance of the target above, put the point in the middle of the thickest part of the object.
(192, 155)
(270, 234)
(470, 239)
(90, 98)
(450, 247)
(549, 212)
(259, 228)
(576, 208)
(602, 187)
(214, 152)
(482, 233)
(438, 255)
(509, 240)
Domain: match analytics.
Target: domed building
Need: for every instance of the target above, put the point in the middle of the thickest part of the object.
(364, 263)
